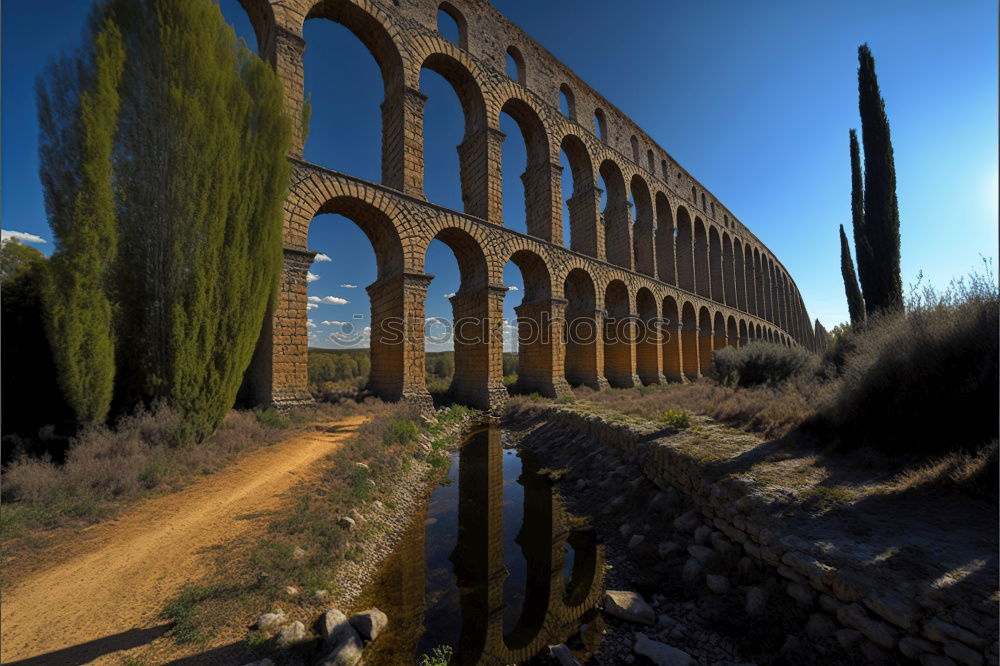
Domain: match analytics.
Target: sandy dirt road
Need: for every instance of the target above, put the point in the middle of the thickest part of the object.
(103, 590)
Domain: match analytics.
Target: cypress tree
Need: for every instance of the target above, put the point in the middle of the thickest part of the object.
(855, 301)
(883, 287)
(78, 104)
(202, 174)
(862, 248)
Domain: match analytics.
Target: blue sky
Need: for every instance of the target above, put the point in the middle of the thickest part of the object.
(754, 99)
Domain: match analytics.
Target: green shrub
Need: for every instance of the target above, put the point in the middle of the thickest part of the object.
(439, 656)
(676, 419)
(761, 363)
(400, 431)
(271, 417)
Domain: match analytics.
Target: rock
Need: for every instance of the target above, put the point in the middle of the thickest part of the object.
(347, 652)
(635, 541)
(334, 626)
(873, 654)
(298, 553)
(891, 607)
(346, 522)
(691, 571)
(625, 530)
(756, 600)
(702, 534)
(820, 626)
(321, 594)
(940, 631)
(362, 466)
(370, 623)
(661, 654)
(717, 583)
(913, 647)
(963, 654)
(847, 637)
(628, 606)
(801, 593)
(689, 521)
(874, 630)
(271, 621)
(291, 591)
(706, 557)
(562, 654)
(667, 547)
(292, 634)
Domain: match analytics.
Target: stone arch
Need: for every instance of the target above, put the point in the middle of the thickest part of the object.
(567, 93)
(584, 353)
(689, 341)
(584, 202)
(261, 17)
(539, 328)
(739, 271)
(635, 149)
(706, 340)
(474, 151)
(744, 335)
(702, 274)
(460, 21)
(719, 330)
(642, 230)
(647, 337)
(758, 273)
(729, 271)
(617, 243)
(537, 177)
(715, 265)
(685, 250)
(672, 360)
(732, 332)
(521, 74)
(664, 241)
(600, 125)
(618, 336)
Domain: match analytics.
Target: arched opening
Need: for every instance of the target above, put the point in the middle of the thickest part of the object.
(719, 331)
(635, 149)
(651, 162)
(664, 171)
(768, 273)
(581, 209)
(647, 337)
(689, 342)
(475, 318)
(672, 363)
(728, 270)
(704, 206)
(664, 243)
(694, 196)
(740, 272)
(732, 336)
(527, 205)
(600, 125)
(744, 335)
(617, 245)
(452, 25)
(712, 208)
(618, 336)
(567, 102)
(582, 330)
(538, 369)
(344, 132)
(751, 283)
(685, 250)
(706, 341)
(351, 344)
(759, 283)
(758, 330)
(515, 65)
(442, 78)
(702, 275)
(715, 264)
(642, 230)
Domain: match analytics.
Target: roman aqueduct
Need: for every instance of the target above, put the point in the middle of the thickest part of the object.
(647, 288)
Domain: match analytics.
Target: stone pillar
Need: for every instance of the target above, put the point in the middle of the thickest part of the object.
(478, 337)
(480, 162)
(397, 338)
(586, 231)
(287, 59)
(619, 351)
(403, 141)
(649, 351)
(289, 375)
(690, 350)
(541, 352)
(543, 201)
(584, 349)
(618, 234)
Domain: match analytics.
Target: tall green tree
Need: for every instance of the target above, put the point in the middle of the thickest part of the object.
(881, 281)
(862, 248)
(202, 176)
(78, 104)
(855, 301)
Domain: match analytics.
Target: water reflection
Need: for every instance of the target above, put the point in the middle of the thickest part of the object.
(495, 568)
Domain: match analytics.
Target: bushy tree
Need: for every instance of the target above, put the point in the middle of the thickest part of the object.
(78, 105)
(855, 301)
(881, 281)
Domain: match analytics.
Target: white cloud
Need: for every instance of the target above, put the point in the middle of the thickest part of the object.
(449, 295)
(22, 236)
(311, 277)
(310, 324)
(333, 323)
(322, 257)
(348, 286)
(328, 300)
(311, 306)
(512, 288)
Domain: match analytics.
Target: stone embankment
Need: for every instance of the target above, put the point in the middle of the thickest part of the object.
(724, 568)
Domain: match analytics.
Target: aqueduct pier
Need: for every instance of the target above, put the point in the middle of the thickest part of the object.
(647, 289)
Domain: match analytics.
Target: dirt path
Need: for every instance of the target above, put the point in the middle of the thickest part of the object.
(105, 588)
